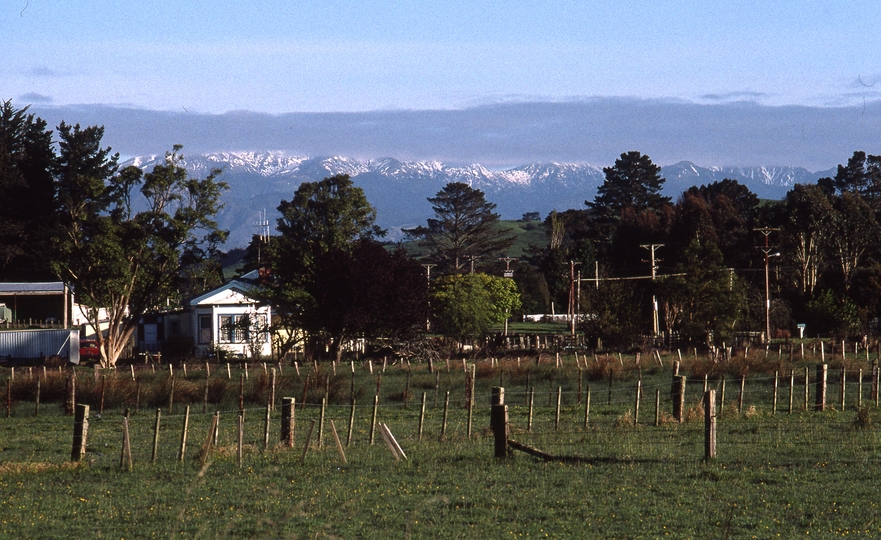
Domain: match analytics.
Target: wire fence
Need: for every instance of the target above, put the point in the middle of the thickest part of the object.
(760, 420)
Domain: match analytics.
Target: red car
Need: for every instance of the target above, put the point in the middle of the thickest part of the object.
(89, 351)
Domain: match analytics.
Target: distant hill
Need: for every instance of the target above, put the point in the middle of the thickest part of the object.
(399, 189)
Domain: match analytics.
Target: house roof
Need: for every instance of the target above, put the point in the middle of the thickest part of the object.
(49, 287)
(235, 291)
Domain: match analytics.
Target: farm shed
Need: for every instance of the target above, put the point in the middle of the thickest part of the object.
(34, 346)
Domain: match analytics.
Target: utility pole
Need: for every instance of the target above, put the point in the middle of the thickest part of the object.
(572, 297)
(428, 267)
(653, 261)
(263, 226)
(472, 258)
(766, 231)
(508, 272)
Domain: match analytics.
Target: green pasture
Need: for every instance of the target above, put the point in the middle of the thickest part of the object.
(799, 473)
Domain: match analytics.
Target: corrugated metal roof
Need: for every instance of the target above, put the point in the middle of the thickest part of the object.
(32, 288)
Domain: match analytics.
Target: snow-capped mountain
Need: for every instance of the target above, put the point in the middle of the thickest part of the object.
(399, 189)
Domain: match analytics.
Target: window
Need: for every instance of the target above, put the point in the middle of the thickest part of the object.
(238, 328)
(204, 328)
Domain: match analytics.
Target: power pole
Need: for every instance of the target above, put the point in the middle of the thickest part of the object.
(428, 267)
(508, 260)
(572, 297)
(766, 231)
(653, 261)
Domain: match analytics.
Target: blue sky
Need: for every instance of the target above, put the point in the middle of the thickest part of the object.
(341, 56)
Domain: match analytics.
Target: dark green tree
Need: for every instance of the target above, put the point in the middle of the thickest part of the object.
(861, 175)
(27, 161)
(632, 186)
(367, 291)
(853, 234)
(465, 228)
(323, 222)
(633, 182)
(805, 235)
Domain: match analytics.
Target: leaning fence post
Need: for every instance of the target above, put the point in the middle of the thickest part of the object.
(499, 421)
(710, 424)
(373, 416)
(586, 407)
(557, 411)
(156, 436)
(80, 432)
(183, 435)
(421, 416)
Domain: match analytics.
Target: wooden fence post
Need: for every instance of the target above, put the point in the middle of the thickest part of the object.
(373, 417)
(557, 411)
(267, 423)
(709, 424)
(80, 432)
(658, 407)
(321, 422)
(808, 384)
(183, 435)
(421, 415)
(636, 403)
(272, 390)
(499, 422)
(125, 459)
(740, 396)
(776, 388)
(240, 439)
(69, 395)
(443, 425)
(586, 407)
(820, 398)
(288, 406)
(156, 436)
(677, 394)
(350, 433)
(860, 388)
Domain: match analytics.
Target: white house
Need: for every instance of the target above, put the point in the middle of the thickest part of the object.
(228, 318)
(223, 318)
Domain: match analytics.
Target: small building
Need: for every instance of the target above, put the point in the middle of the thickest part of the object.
(42, 304)
(226, 318)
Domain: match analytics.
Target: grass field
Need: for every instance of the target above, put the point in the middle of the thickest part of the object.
(785, 474)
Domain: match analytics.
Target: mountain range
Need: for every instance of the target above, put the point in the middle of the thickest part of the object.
(399, 190)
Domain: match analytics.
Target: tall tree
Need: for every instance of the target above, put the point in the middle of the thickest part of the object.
(805, 234)
(854, 232)
(27, 160)
(633, 182)
(121, 262)
(861, 175)
(318, 230)
(632, 185)
(366, 291)
(465, 228)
